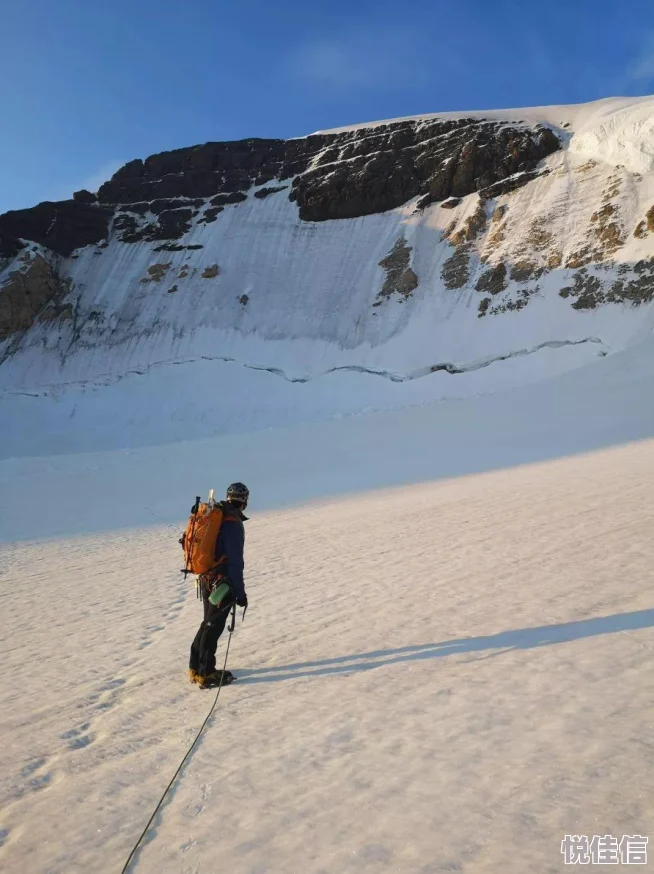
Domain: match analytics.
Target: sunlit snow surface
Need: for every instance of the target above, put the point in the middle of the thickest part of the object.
(429, 676)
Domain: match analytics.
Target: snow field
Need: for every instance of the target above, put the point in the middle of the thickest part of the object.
(447, 676)
(140, 485)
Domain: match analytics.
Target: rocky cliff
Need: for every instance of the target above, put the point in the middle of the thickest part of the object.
(329, 176)
(401, 248)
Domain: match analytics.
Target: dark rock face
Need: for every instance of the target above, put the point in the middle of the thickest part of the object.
(173, 223)
(226, 199)
(353, 173)
(84, 196)
(210, 215)
(506, 186)
(266, 192)
(173, 247)
(62, 226)
(161, 205)
(208, 170)
(455, 272)
(338, 175)
(391, 164)
(493, 280)
(9, 245)
(400, 278)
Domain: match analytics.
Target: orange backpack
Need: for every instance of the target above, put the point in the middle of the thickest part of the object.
(199, 539)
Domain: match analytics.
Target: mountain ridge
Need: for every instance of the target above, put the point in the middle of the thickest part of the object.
(173, 185)
(524, 230)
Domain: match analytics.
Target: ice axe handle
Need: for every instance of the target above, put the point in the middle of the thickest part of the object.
(194, 511)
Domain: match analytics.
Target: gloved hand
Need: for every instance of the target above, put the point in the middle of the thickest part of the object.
(242, 602)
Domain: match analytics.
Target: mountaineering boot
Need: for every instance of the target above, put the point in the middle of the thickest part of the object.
(193, 675)
(212, 680)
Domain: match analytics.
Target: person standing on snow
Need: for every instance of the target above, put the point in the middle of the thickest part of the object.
(229, 567)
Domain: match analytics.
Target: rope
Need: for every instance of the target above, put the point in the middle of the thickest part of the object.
(183, 762)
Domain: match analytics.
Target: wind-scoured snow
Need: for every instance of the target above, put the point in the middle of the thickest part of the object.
(575, 116)
(620, 135)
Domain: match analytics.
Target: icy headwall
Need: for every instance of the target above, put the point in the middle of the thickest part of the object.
(402, 248)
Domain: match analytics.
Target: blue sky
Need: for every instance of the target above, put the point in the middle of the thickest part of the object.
(86, 85)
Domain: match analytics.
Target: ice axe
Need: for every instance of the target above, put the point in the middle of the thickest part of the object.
(194, 512)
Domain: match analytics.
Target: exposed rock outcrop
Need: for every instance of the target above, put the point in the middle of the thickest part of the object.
(382, 168)
(266, 192)
(334, 175)
(493, 280)
(455, 272)
(400, 278)
(84, 196)
(32, 291)
(635, 286)
(62, 226)
(156, 272)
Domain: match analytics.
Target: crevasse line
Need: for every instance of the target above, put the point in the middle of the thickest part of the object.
(419, 373)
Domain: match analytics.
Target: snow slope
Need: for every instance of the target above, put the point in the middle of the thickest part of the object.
(430, 676)
(492, 697)
(603, 404)
(311, 287)
(157, 407)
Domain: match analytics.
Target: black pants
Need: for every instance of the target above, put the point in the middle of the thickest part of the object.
(203, 648)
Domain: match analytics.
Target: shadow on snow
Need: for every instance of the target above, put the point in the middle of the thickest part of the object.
(504, 641)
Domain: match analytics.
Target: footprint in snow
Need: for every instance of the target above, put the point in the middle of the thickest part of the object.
(79, 743)
(40, 782)
(31, 767)
(113, 684)
(74, 732)
(77, 737)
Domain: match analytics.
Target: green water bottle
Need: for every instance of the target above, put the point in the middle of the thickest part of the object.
(219, 593)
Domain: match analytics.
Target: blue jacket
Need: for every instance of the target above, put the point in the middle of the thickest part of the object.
(230, 545)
